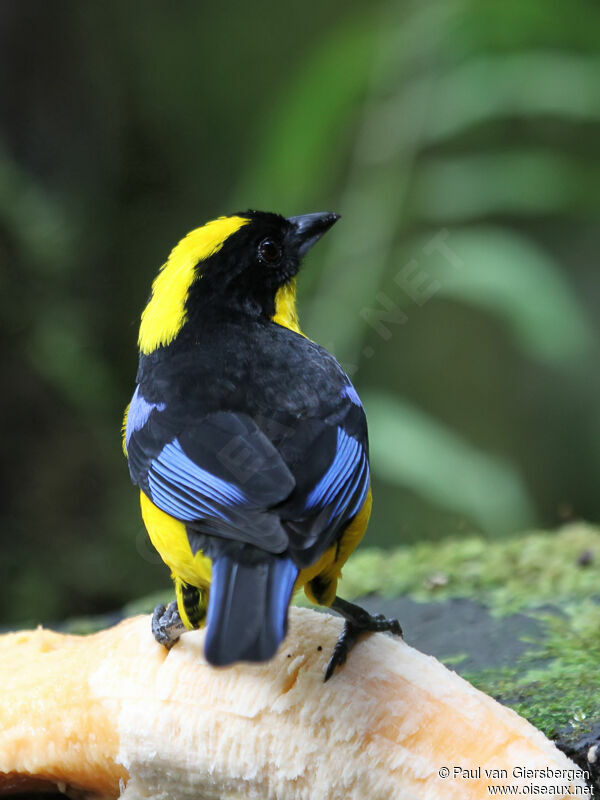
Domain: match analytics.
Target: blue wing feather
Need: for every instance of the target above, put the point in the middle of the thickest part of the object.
(350, 501)
(347, 476)
(193, 472)
(174, 465)
(186, 478)
(187, 491)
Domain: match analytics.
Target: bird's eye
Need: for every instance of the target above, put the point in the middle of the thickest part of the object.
(269, 252)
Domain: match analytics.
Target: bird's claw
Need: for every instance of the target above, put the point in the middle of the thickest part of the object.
(380, 622)
(167, 625)
(344, 644)
(357, 621)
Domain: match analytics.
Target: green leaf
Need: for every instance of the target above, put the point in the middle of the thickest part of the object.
(527, 84)
(302, 142)
(509, 275)
(60, 349)
(35, 218)
(412, 450)
(517, 182)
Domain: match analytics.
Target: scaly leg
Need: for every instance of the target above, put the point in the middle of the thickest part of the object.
(167, 625)
(186, 613)
(357, 621)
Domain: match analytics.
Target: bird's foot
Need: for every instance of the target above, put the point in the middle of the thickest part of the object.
(357, 621)
(167, 626)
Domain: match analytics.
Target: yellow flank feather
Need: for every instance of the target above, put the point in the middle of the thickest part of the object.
(164, 315)
(286, 313)
(181, 604)
(329, 567)
(169, 537)
(124, 429)
(182, 608)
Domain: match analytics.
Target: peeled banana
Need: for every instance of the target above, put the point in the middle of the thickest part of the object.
(116, 715)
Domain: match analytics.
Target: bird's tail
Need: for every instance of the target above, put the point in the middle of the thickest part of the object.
(247, 609)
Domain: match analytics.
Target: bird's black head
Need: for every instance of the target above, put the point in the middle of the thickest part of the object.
(245, 263)
(263, 255)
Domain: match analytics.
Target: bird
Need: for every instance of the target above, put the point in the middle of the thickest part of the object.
(247, 441)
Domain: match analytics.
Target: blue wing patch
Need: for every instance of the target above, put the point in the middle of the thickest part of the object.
(345, 484)
(138, 413)
(186, 491)
(350, 392)
(193, 475)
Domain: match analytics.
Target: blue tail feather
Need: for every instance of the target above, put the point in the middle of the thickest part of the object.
(247, 609)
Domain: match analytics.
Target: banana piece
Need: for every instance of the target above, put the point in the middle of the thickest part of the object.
(115, 714)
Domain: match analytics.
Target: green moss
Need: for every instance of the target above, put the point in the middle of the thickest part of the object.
(556, 684)
(506, 575)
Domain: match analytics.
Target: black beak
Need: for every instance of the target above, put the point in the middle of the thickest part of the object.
(310, 227)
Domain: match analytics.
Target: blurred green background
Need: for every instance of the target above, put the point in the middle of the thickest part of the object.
(459, 140)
